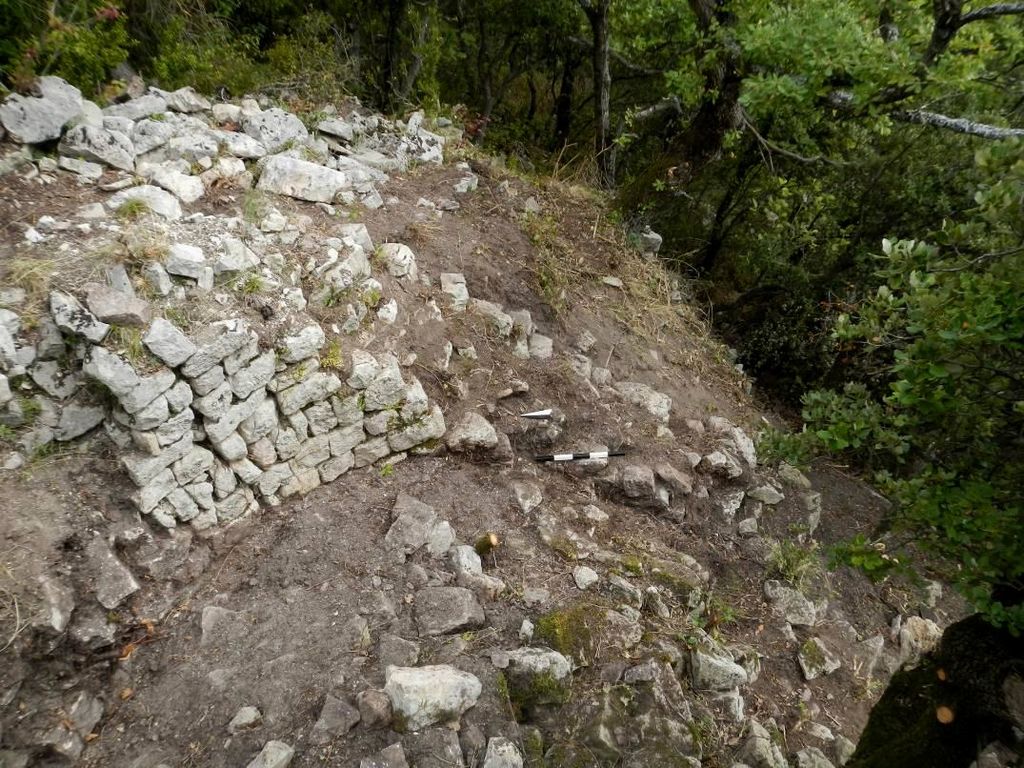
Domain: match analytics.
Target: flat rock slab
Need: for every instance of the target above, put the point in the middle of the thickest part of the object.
(35, 119)
(275, 754)
(423, 696)
(442, 610)
(302, 180)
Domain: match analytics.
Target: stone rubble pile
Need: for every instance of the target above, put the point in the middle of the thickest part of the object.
(181, 145)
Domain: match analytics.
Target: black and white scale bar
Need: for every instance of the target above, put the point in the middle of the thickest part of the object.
(545, 414)
(578, 456)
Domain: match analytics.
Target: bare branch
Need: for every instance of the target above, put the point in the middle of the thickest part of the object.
(990, 11)
(668, 105)
(771, 146)
(958, 124)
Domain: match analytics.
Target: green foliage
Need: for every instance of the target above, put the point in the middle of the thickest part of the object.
(799, 565)
(203, 51)
(867, 556)
(941, 423)
(78, 40)
(131, 209)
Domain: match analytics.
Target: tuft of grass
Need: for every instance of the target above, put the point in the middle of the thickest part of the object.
(250, 284)
(30, 408)
(796, 564)
(128, 342)
(255, 206)
(387, 471)
(331, 358)
(143, 245)
(31, 275)
(131, 209)
(7, 434)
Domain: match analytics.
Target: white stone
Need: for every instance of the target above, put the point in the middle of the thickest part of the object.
(157, 200)
(99, 145)
(424, 696)
(274, 128)
(36, 119)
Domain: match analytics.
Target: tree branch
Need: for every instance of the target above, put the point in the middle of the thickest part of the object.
(958, 124)
(990, 11)
(773, 147)
(619, 58)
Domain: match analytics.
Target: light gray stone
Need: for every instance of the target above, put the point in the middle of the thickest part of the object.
(136, 109)
(245, 719)
(112, 580)
(254, 376)
(425, 696)
(111, 370)
(766, 494)
(430, 427)
(275, 754)
(400, 260)
(306, 343)
(584, 576)
(274, 128)
(157, 278)
(502, 753)
(711, 671)
(55, 380)
(656, 403)
(212, 352)
(158, 201)
(541, 347)
(759, 750)
(118, 308)
(302, 180)
(148, 134)
(185, 187)
(443, 610)
(185, 260)
(337, 718)
(318, 386)
(168, 343)
(364, 369)
(496, 317)
(99, 145)
(812, 757)
(368, 452)
(77, 419)
(528, 495)
(387, 388)
(453, 285)
(90, 172)
(472, 432)
(791, 604)
(71, 317)
(148, 389)
(41, 117)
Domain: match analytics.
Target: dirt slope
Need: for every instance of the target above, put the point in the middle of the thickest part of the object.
(301, 603)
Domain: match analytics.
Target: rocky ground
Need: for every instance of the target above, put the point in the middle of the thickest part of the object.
(269, 498)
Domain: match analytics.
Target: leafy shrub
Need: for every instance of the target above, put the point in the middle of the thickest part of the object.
(80, 41)
(204, 52)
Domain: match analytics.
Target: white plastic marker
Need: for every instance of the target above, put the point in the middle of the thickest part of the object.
(578, 456)
(545, 414)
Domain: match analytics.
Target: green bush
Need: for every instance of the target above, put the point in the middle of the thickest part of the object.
(204, 52)
(80, 41)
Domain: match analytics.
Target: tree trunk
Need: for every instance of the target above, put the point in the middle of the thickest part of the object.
(946, 15)
(719, 110)
(597, 15)
(396, 10)
(563, 104)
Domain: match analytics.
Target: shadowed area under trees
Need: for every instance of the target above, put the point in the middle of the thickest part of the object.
(840, 183)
